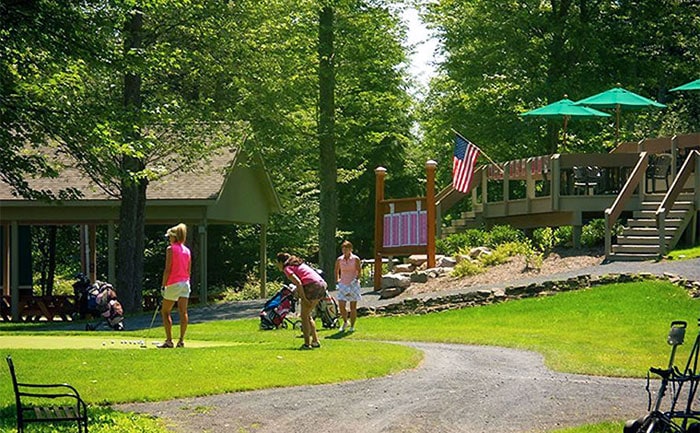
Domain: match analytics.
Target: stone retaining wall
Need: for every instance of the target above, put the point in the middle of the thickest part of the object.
(492, 296)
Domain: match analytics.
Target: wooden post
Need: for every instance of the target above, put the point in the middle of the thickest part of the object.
(6, 260)
(111, 252)
(92, 251)
(14, 270)
(380, 173)
(430, 167)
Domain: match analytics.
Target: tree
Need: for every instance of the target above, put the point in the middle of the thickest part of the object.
(503, 58)
(328, 171)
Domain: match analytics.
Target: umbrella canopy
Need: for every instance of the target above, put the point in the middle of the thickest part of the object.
(564, 109)
(619, 98)
(693, 85)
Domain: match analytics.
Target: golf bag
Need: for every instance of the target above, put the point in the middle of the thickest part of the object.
(275, 310)
(98, 300)
(327, 310)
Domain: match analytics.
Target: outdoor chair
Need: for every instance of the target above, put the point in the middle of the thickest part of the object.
(586, 179)
(30, 400)
(659, 168)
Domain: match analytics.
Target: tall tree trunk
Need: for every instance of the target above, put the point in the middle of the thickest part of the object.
(326, 138)
(131, 213)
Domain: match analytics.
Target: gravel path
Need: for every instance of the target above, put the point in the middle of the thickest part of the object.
(456, 389)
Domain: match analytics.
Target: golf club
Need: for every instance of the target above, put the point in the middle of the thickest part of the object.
(155, 313)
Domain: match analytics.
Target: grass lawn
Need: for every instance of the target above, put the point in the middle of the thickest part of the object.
(617, 330)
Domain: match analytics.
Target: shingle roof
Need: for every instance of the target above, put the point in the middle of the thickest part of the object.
(205, 183)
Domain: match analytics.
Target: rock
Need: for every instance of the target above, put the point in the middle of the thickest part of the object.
(477, 252)
(395, 280)
(419, 277)
(446, 262)
(417, 259)
(406, 267)
(390, 292)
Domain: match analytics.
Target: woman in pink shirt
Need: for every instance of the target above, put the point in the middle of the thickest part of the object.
(347, 275)
(311, 288)
(176, 283)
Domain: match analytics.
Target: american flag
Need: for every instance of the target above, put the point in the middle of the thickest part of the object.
(463, 164)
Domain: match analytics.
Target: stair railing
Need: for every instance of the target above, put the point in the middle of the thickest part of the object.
(690, 165)
(613, 213)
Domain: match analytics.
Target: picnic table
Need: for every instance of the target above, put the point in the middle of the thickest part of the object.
(39, 308)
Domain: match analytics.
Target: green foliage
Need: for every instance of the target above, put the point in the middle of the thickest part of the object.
(100, 420)
(604, 427)
(543, 239)
(467, 268)
(573, 48)
(492, 238)
(502, 234)
(503, 252)
(250, 290)
(563, 236)
(684, 253)
(453, 243)
(593, 233)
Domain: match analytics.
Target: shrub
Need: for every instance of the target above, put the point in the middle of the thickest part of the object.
(543, 239)
(250, 290)
(502, 234)
(454, 243)
(505, 251)
(467, 268)
(563, 236)
(593, 233)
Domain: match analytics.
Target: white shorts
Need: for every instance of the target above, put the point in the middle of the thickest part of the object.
(177, 290)
(349, 292)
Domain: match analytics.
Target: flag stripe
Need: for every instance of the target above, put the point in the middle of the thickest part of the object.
(463, 164)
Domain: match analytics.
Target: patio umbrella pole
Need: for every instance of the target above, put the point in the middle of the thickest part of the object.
(617, 124)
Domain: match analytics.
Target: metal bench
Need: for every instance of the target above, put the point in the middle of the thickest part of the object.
(29, 400)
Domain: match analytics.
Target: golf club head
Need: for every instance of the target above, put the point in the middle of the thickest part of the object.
(676, 334)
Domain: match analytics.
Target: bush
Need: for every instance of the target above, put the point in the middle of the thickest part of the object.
(454, 243)
(593, 233)
(543, 239)
(503, 234)
(250, 290)
(467, 268)
(563, 236)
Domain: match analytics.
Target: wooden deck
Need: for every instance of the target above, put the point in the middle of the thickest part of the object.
(551, 190)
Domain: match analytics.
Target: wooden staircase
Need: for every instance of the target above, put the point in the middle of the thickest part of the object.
(640, 237)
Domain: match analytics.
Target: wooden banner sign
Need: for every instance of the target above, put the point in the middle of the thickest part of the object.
(404, 226)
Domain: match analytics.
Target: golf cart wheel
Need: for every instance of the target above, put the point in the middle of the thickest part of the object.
(283, 325)
(296, 324)
(634, 425)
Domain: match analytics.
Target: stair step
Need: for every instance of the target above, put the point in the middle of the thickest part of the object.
(649, 222)
(636, 249)
(679, 205)
(651, 214)
(650, 232)
(641, 240)
(618, 257)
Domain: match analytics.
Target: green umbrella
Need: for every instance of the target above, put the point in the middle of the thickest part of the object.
(564, 109)
(693, 85)
(619, 98)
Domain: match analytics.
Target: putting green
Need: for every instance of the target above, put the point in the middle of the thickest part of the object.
(90, 342)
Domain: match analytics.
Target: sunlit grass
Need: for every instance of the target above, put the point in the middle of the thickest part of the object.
(684, 254)
(615, 330)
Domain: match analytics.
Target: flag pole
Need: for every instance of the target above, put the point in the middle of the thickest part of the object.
(480, 150)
